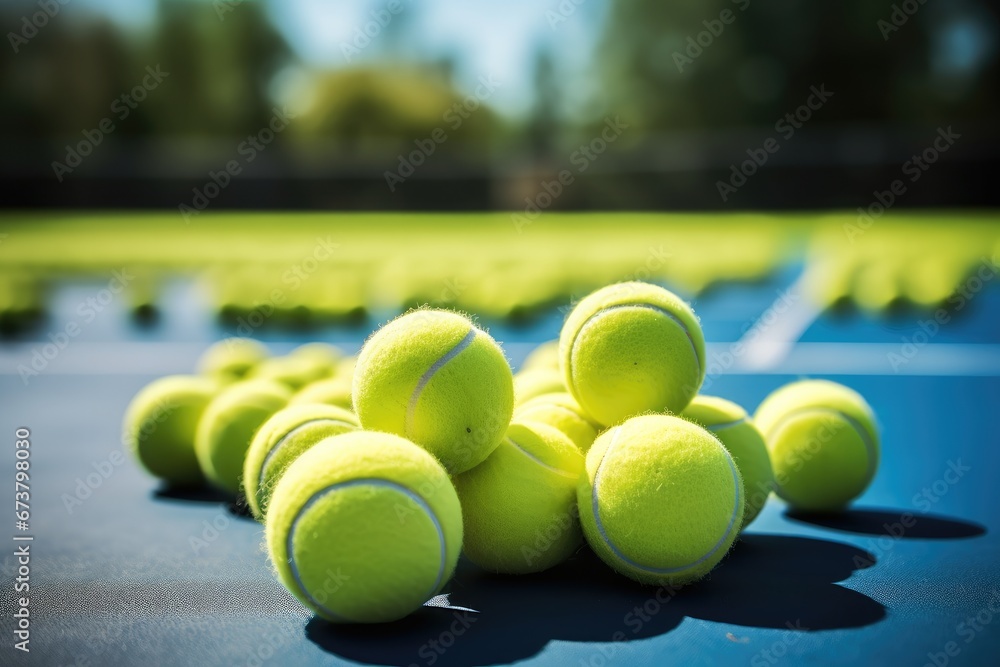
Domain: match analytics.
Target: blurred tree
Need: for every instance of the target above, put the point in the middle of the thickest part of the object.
(63, 80)
(543, 125)
(685, 64)
(382, 110)
(74, 72)
(221, 58)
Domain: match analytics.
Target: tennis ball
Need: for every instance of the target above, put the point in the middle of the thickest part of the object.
(346, 367)
(229, 424)
(529, 384)
(281, 439)
(545, 355)
(331, 391)
(160, 425)
(519, 505)
(435, 378)
(322, 354)
(733, 427)
(823, 441)
(631, 348)
(291, 370)
(364, 527)
(563, 412)
(662, 500)
(232, 358)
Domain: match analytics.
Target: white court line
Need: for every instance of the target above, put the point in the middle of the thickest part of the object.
(942, 359)
(767, 343)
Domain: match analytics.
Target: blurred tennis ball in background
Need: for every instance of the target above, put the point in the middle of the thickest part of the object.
(545, 355)
(823, 442)
(437, 379)
(346, 367)
(532, 383)
(231, 359)
(294, 371)
(331, 391)
(160, 425)
(631, 348)
(323, 355)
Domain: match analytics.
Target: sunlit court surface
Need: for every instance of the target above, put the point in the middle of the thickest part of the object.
(584, 333)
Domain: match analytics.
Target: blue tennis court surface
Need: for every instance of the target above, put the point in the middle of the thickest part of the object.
(124, 572)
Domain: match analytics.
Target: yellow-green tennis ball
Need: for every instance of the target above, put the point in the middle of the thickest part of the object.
(662, 500)
(346, 367)
(823, 441)
(283, 438)
(529, 384)
(330, 391)
(519, 505)
(160, 426)
(229, 424)
(293, 371)
(435, 378)
(563, 412)
(631, 348)
(322, 354)
(231, 359)
(734, 428)
(545, 355)
(364, 527)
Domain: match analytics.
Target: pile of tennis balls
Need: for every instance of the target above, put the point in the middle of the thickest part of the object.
(385, 468)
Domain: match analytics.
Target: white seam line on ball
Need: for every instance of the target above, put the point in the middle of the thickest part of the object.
(540, 462)
(426, 377)
(871, 453)
(647, 306)
(737, 505)
(365, 481)
(283, 440)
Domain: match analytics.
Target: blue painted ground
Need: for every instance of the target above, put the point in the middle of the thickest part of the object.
(129, 574)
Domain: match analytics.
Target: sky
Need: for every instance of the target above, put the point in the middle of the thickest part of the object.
(498, 38)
